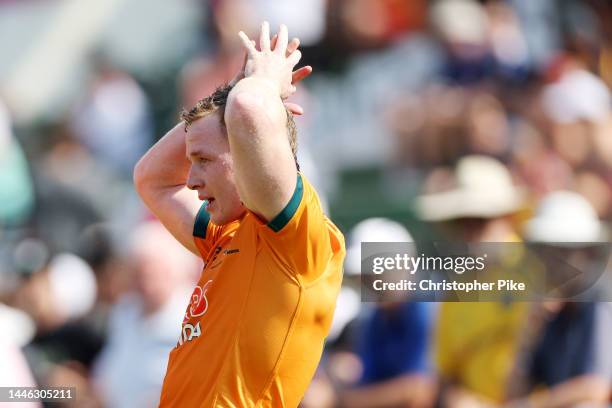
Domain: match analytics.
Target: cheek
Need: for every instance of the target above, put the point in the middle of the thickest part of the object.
(197, 171)
(225, 169)
(225, 160)
(229, 187)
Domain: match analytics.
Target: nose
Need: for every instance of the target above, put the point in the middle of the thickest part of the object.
(193, 183)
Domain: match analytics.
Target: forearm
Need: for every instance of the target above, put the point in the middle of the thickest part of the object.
(586, 389)
(408, 390)
(257, 129)
(160, 177)
(256, 117)
(164, 165)
(386, 394)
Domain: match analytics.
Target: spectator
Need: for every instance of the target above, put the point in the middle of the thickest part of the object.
(114, 121)
(57, 297)
(475, 343)
(17, 193)
(391, 341)
(145, 323)
(577, 331)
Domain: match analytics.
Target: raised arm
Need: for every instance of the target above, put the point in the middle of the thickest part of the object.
(160, 177)
(161, 174)
(256, 122)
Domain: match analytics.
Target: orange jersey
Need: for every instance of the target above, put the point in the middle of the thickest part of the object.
(254, 331)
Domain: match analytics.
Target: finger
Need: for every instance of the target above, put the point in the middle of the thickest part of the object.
(246, 56)
(294, 58)
(247, 43)
(292, 46)
(240, 73)
(282, 39)
(273, 42)
(300, 74)
(264, 37)
(294, 108)
(244, 61)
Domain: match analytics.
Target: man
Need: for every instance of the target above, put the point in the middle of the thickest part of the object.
(564, 358)
(253, 333)
(474, 343)
(130, 368)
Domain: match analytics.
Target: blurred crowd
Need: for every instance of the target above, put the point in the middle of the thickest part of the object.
(454, 120)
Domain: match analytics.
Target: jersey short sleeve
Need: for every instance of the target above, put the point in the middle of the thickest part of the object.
(301, 236)
(205, 233)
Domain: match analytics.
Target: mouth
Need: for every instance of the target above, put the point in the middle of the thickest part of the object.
(208, 201)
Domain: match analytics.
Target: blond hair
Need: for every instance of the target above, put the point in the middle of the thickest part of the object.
(218, 100)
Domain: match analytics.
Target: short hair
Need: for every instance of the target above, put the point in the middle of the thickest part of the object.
(217, 102)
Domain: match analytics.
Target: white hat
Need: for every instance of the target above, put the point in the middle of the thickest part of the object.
(578, 95)
(462, 21)
(73, 285)
(16, 326)
(484, 189)
(564, 216)
(372, 230)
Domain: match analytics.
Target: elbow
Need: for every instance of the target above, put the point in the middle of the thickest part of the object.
(249, 111)
(242, 107)
(247, 101)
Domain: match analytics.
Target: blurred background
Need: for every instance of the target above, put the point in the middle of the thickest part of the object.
(458, 120)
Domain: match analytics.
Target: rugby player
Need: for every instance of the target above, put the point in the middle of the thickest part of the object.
(253, 333)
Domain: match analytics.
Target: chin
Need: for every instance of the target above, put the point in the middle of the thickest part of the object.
(222, 219)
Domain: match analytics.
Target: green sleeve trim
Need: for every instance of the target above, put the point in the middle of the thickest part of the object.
(282, 219)
(201, 222)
